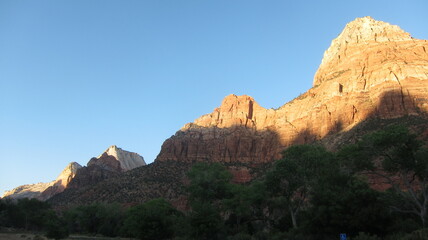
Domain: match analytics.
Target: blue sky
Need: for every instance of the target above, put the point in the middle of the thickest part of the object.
(78, 76)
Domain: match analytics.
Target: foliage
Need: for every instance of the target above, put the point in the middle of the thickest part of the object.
(208, 182)
(205, 221)
(344, 203)
(28, 214)
(365, 236)
(97, 218)
(290, 181)
(56, 227)
(310, 193)
(421, 234)
(395, 155)
(209, 186)
(154, 219)
(244, 210)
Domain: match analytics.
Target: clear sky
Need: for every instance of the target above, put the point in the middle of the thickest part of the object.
(78, 76)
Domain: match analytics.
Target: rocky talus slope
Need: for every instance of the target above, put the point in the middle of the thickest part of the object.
(371, 70)
(162, 179)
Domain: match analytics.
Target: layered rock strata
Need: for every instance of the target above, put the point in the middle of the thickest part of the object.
(371, 70)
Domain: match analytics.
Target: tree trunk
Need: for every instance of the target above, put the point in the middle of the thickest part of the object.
(293, 217)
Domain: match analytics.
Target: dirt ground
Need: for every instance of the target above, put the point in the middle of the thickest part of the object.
(19, 236)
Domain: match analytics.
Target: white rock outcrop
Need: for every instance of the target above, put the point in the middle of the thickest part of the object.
(128, 160)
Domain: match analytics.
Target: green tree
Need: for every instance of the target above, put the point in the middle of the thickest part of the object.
(396, 156)
(154, 219)
(205, 221)
(344, 203)
(209, 185)
(97, 218)
(208, 182)
(244, 210)
(112, 216)
(26, 213)
(55, 226)
(292, 177)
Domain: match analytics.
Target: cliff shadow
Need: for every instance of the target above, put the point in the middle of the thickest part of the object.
(394, 107)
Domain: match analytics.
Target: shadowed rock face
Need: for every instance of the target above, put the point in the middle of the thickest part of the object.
(62, 181)
(371, 70)
(110, 163)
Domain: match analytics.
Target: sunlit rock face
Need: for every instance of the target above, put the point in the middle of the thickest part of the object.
(44, 191)
(27, 191)
(371, 70)
(127, 160)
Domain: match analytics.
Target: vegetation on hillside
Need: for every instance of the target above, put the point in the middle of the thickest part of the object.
(310, 193)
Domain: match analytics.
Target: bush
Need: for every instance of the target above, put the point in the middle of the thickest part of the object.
(154, 219)
(421, 234)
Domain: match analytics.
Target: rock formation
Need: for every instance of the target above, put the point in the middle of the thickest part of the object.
(114, 160)
(371, 70)
(62, 181)
(27, 191)
(44, 191)
(127, 160)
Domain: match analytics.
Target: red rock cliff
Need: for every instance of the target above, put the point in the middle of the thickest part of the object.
(372, 69)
